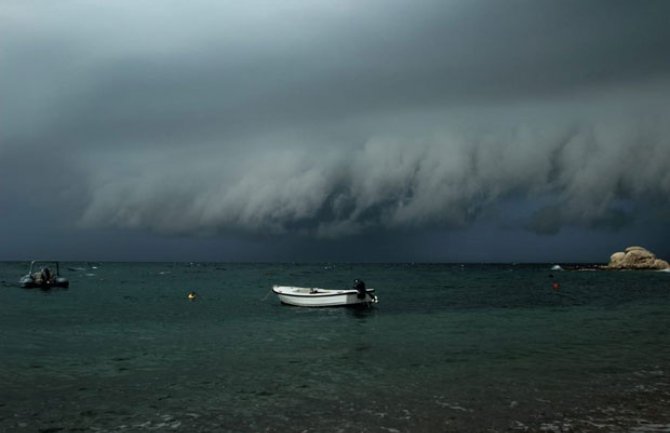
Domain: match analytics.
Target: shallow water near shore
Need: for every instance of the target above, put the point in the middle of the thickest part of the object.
(448, 348)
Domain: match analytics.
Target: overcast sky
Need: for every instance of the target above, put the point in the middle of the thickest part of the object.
(450, 130)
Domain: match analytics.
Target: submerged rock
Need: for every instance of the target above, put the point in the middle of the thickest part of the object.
(636, 258)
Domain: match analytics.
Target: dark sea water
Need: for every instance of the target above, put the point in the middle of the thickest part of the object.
(449, 348)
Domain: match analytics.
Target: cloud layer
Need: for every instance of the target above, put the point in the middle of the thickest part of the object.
(586, 174)
(331, 119)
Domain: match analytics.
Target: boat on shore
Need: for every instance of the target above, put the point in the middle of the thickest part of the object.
(358, 296)
(46, 276)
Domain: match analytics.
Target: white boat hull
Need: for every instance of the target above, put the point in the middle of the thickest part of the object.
(315, 297)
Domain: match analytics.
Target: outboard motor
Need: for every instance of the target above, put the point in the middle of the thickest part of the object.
(359, 286)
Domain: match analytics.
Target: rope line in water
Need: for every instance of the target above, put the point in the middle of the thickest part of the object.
(266, 295)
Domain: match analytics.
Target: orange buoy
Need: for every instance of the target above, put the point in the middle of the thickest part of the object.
(555, 285)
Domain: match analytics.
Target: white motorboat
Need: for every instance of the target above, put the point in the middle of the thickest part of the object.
(359, 295)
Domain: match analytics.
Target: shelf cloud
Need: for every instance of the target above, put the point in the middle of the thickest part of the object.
(334, 119)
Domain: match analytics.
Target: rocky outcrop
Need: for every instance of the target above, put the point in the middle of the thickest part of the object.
(636, 258)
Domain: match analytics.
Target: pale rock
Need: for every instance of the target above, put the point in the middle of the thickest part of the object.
(636, 257)
(616, 259)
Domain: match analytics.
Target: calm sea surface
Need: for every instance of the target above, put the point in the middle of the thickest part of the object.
(449, 348)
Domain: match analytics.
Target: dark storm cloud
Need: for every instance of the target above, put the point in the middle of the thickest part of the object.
(335, 118)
